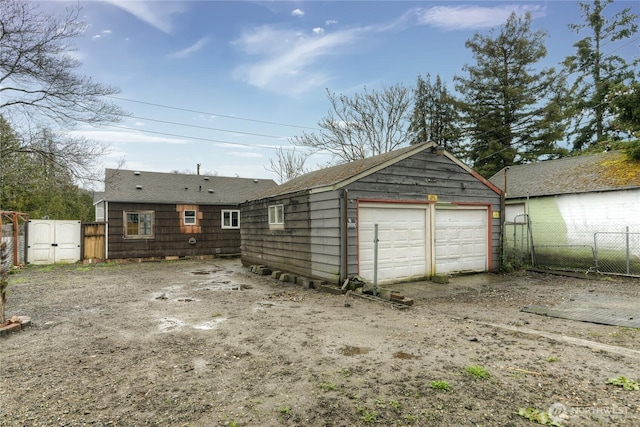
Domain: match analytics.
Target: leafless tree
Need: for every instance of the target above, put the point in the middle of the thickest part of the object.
(38, 71)
(289, 164)
(367, 124)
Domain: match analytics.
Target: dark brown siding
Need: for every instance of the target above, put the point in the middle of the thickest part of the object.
(171, 236)
(288, 249)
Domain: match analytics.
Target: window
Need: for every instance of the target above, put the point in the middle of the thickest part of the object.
(276, 215)
(230, 219)
(138, 225)
(190, 217)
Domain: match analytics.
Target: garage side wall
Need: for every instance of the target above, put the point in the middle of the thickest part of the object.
(326, 235)
(287, 248)
(414, 179)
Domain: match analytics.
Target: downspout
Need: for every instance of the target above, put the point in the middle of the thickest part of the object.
(503, 215)
(106, 230)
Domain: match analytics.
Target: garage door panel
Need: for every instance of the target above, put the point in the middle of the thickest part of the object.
(461, 240)
(402, 242)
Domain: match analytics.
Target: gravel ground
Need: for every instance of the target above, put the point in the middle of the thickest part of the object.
(207, 343)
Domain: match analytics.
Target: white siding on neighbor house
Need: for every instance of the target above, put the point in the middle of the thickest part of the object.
(586, 214)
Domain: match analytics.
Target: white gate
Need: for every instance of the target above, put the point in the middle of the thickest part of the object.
(53, 241)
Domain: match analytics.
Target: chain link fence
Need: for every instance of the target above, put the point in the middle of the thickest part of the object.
(604, 248)
(8, 238)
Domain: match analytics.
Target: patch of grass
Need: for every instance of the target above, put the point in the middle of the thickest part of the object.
(327, 386)
(380, 402)
(477, 371)
(552, 359)
(233, 423)
(369, 417)
(540, 417)
(624, 382)
(285, 410)
(397, 406)
(440, 385)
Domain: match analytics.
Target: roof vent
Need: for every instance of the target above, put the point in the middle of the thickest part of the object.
(138, 187)
(255, 180)
(206, 178)
(210, 190)
(136, 173)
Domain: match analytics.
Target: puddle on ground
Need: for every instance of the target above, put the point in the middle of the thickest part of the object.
(204, 272)
(403, 355)
(349, 350)
(169, 325)
(212, 324)
(224, 286)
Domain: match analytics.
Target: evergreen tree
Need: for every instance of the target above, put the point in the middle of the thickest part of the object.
(596, 74)
(435, 117)
(513, 112)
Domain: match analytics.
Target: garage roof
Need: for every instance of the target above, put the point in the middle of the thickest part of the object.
(335, 177)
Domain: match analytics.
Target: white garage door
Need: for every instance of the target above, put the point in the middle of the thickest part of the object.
(461, 240)
(403, 241)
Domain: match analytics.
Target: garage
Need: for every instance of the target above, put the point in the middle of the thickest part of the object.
(461, 240)
(403, 241)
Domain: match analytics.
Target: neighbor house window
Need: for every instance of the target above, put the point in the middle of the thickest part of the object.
(230, 219)
(276, 215)
(138, 225)
(190, 217)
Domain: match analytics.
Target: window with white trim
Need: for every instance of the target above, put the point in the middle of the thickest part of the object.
(189, 217)
(276, 215)
(138, 224)
(230, 219)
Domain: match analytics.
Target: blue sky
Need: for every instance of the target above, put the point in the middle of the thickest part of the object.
(225, 83)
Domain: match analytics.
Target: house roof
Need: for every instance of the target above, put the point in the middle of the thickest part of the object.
(335, 177)
(157, 187)
(604, 171)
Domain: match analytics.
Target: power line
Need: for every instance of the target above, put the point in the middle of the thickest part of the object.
(208, 128)
(213, 114)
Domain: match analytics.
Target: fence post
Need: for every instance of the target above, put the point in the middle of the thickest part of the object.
(375, 260)
(628, 261)
(595, 250)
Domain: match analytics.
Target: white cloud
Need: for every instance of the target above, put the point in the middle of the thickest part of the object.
(191, 49)
(287, 62)
(473, 17)
(103, 33)
(330, 22)
(318, 30)
(297, 12)
(156, 14)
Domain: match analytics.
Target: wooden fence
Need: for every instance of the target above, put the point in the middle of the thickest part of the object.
(93, 241)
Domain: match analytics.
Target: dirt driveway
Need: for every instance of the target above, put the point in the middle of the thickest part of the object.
(207, 343)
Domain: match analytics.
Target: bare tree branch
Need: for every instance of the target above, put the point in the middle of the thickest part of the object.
(365, 125)
(38, 70)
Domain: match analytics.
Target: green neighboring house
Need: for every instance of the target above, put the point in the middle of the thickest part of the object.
(574, 206)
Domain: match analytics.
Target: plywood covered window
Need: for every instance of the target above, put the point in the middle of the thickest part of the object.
(276, 216)
(138, 224)
(230, 219)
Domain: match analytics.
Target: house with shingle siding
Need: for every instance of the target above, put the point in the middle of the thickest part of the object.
(158, 215)
(404, 215)
(573, 203)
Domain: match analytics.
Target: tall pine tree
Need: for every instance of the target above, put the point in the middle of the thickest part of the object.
(596, 73)
(435, 116)
(513, 112)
